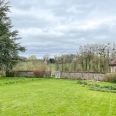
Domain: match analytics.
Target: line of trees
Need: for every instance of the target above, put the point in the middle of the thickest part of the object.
(89, 58)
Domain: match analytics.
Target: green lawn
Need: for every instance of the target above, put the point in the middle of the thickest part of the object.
(53, 97)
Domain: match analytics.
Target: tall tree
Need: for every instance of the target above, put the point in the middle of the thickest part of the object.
(9, 48)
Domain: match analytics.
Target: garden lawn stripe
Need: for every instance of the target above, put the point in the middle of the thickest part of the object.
(53, 97)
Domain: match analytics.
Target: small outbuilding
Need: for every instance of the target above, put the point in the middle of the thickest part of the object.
(113, 66)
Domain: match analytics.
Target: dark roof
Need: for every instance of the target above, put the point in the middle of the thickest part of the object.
(113, 63)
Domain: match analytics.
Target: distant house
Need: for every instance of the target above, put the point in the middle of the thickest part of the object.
(113, 66)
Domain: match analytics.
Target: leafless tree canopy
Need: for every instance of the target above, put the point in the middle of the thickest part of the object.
(89, 58)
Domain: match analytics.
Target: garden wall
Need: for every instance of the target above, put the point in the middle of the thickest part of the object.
(24, 74)
(28, 74)
(83, 75)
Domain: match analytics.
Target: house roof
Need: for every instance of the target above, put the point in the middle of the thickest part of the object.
(113, 63)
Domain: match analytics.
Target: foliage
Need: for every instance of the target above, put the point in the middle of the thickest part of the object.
(32, 64)
(107, 88)
(98, 87)
(42, 74)
(9, 49)
(39, 73)
(111, 77)
(10, 74)
(95, 57)
(89, 58)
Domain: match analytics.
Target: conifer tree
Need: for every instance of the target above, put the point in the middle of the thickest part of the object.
(9, 48)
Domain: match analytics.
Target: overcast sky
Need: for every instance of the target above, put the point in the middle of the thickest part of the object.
(56, 27)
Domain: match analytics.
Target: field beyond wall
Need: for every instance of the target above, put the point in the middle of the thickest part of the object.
(53, 97)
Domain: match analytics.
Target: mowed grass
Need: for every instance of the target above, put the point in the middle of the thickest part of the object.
(52, 97)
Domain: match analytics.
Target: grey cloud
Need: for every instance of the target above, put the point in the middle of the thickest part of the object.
(56, 26)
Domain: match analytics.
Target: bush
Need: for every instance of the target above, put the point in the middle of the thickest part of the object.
(97, 87)
(47, 73)
(93, 87)
(10, 74)
(85, 83)
(111, 77)
(39, 73)
(110, 87)
(79, 82)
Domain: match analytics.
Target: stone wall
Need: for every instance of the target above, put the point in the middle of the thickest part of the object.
(26, 74)
(83, 75)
